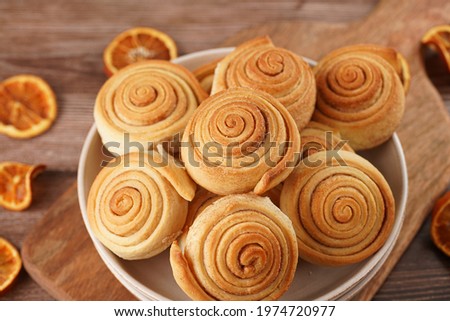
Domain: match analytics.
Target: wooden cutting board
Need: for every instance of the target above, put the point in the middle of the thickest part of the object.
(59, 255)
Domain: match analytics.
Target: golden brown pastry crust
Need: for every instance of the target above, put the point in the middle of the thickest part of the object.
(258, 64)
(202, 199)
(205, 74)
(360, 94)
(317, 137)
(240, 140)
(390, 55)
(137, 210)
(240, 247)
(342, 214)
(151, 101)
(274, 194)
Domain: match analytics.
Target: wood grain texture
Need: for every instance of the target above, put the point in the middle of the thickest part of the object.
(429, 280)
(60, 256)
(63, 40)
(47, 187)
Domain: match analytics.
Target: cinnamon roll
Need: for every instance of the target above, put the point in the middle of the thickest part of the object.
(317, 137)
(205, 74)
(342, 209)
(240, 247)
(360, 94)
(390, 55)
(151, 101)
(202, 199)
(240, 140)
(137, 207)
(258, 64)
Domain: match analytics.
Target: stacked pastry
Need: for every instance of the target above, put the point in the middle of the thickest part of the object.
(272, 185)
(259, 65)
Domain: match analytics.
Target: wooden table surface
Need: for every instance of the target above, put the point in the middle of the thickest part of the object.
(28, 30)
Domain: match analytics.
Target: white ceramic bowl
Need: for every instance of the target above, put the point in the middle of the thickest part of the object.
(152, 279)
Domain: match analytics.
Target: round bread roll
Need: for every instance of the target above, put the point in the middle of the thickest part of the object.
(360, 94)
(240, 247)
(240, 140)
(151, 101)
(138, 207)
(342, 209)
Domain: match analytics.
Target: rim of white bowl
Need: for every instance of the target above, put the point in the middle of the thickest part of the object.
(143, 292)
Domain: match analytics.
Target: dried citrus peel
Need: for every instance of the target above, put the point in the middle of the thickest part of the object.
(10, 265)
(15, 184)
(439, 38)
(135, 45)
(27, 106)
(440, 224)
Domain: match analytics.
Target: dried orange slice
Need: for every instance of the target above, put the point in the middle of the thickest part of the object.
(439, 38)
(10, 264)
(15, 184)
(135, 45)
(440, 224)
(27, 106)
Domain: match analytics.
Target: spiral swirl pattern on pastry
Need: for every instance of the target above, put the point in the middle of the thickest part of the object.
(151, 101)
(240, 140)
(135, 209)
(241, 247)
(342, 213)
(258, 64)
(390, 55)
(360, 94)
